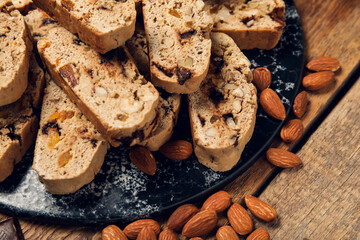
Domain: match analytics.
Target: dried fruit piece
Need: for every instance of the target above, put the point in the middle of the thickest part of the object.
(196, 238)
(143, 159)
(112, 232)
(282, 158)
(272, 104)
(64, 158)
(168, 234)
(262, 78)
(133, 229)
(292, 131)
(226, 233)
(240, 219)
(219, 202)
(54, 137)
(200, 224)
(259, 234)
(300, 104)
(177, 150)
(260, 209)
(323, 63)
(319, 80)
(181, 216)
(147, 233)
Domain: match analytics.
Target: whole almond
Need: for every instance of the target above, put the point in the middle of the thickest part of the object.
(219, 202)
(200, 224)
(323, 63)
(262, 78)
(240, 219)
(300, 104)
(147, 233)
(133, 229)
(226, 233)
(292, 131)
(168, 234)
(259, 234)
(319, 80)
(272, 104)
(181, 216)
(260, 209)
(143, 159)
(112, 232)
(282, 158)
(177, 150)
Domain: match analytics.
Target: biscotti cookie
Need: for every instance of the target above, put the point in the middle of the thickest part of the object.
(108, 89)
(223, 111)
(252, 24)
(69, 150)
(15, 48)
(18, 124)
(23, 5)
(178, 35)
(103, 24)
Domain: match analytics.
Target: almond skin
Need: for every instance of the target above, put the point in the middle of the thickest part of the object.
(292, 131)
(177, 150)
(319, 80)
(196, 238)
(282, 158)
(143, 159)
(219, 202)
(272, 104)
(300, 104)
(260, 209)
(259, 234)
(147, 233)
(240, 219)
(226, 233)
(133, 229)
(262, 78)
(181, 216)
(168, 234)
(323, 63)
(200, 224)
(112, 232)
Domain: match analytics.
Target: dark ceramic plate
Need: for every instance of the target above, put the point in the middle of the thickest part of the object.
(121, 193)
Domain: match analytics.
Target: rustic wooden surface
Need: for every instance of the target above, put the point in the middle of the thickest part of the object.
(321, 198)
(331, 27)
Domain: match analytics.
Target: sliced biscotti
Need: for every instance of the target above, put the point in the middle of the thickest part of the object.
(36, 83)
(103, 24)
(69, 150)
(223, 111)
(252, 24)
(15, 48)
(23, 5)
(178, 35)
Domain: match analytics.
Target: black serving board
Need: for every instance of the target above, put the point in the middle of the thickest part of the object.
(121, 193)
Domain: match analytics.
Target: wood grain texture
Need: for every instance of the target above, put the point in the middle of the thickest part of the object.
(331, 27)
(321, 199)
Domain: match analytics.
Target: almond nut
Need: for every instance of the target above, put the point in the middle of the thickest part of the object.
(282, 158)
(200, 224)
(112, 232)
(319, 80)
(259, 234)
(133, 229)
(177, 150)
(323, 63)
(143, 160)
(300, 104)
(181, 216)
(292, 131)
(240, 219)
(219, 202)
(260, 209)
(262, 78)
(226, 233)
(272, 104)
(147, 233)
(168, 234)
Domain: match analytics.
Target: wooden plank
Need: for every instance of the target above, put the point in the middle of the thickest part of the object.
(321, 198)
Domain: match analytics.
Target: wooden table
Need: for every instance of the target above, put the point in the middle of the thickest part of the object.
(321, 198)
